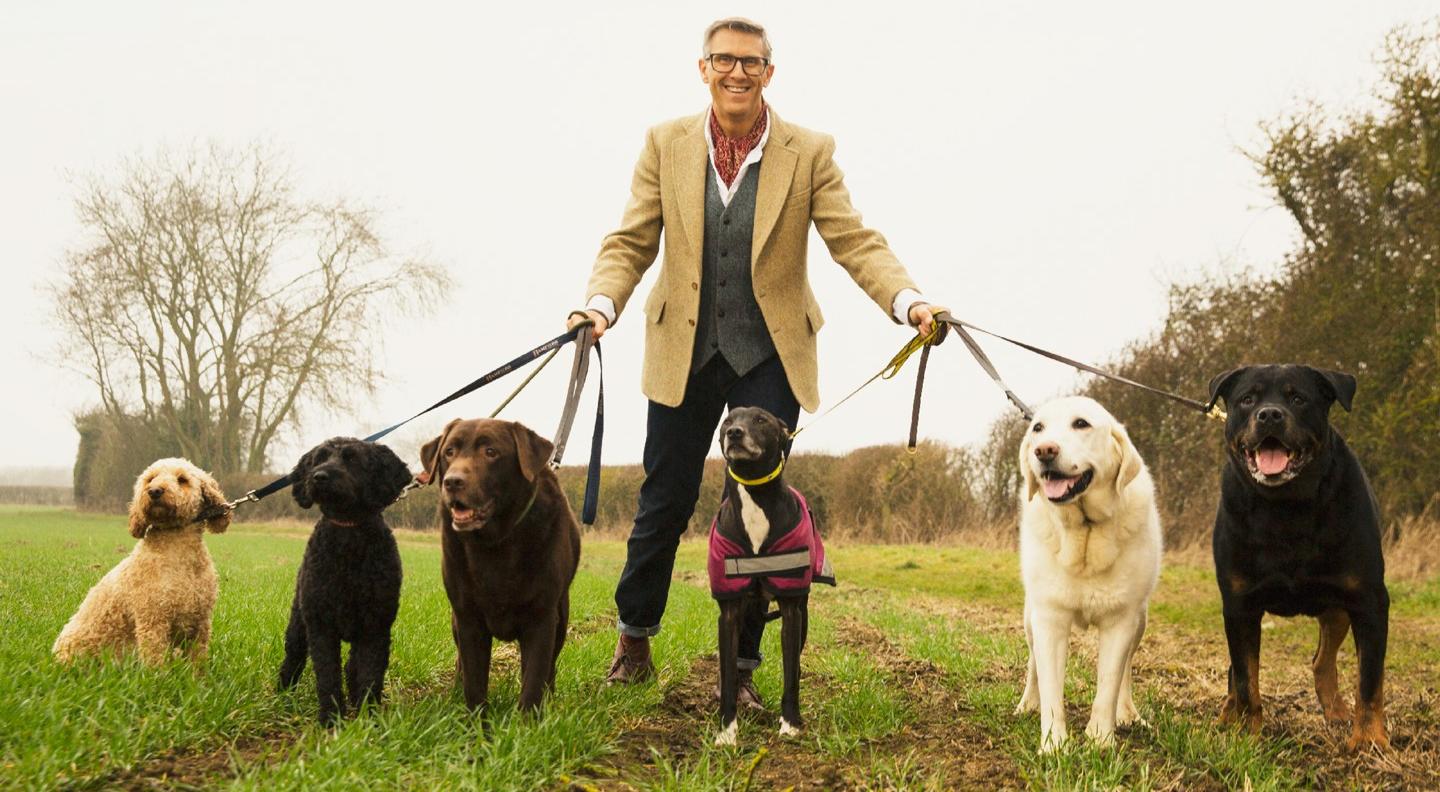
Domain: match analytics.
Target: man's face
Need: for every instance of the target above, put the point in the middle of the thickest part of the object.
(736, 93)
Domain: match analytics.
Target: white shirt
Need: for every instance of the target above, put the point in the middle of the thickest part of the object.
(900, 308)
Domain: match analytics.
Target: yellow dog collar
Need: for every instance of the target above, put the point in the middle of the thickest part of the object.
(765, 479)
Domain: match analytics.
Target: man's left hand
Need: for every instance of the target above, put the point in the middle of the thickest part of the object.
(922, 316)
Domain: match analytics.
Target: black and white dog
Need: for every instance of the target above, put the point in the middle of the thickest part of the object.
(764, 545)
(348, 587)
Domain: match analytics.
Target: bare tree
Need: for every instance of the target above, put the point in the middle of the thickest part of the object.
(211, 301)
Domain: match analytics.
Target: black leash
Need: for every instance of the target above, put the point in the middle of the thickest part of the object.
(962, 328)
(581, 333)
(579, 368)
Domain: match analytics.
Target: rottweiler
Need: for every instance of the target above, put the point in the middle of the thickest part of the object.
(1298, 532)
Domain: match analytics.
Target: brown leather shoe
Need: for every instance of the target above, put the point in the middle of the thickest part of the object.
(631, 663)
(745, 693)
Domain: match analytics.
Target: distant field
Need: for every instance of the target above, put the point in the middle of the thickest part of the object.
(910, 678)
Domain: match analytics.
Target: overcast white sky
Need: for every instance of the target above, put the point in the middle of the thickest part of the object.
(1043, 168)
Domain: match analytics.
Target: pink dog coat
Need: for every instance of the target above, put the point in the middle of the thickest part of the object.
(787, 567)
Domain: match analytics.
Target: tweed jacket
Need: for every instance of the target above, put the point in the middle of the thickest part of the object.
(799, 184)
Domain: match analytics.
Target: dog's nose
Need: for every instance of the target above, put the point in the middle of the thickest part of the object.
(155, 492)
(453, 483)
(1270, 415)
(734, 433)
(320, 476)
(1046, 452)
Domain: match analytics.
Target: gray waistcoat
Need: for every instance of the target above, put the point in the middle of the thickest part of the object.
(729, 321)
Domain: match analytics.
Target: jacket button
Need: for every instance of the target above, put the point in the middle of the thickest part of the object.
(694, 285)
(726, 221)
(722, 281)
(720, 314)
(724, 253)
(692, 322)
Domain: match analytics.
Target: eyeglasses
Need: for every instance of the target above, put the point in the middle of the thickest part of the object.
(725, 64)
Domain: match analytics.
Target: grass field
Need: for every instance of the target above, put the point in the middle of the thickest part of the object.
(910, 678)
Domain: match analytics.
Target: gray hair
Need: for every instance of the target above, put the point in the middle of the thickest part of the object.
(739, 25)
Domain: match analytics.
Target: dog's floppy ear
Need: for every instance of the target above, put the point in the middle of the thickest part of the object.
(1127, 456)
(784, 428)
(137, 514)
(1032, 484)
(1338, 384)
(389, 473)
(1220, 384)
(299, 488)
(531, 450)
(212, 499)
(430, 453)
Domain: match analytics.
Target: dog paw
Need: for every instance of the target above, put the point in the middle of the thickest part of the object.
(1100, 734)
(1249, 720)
(729, 736)
(1052, 742)
(1027, 704)
(787, 730)
(1129, 716)
(1367, 733)
(1338, 712)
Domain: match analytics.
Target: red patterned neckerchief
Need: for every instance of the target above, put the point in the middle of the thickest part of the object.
(731, 152)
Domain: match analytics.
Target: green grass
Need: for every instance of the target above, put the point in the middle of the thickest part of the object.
(103, 723)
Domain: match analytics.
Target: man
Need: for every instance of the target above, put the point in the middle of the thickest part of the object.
(731, 319)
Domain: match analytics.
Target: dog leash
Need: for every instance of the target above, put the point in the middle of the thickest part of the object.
(552, 346)
(897, 362)
(579, 368)
(1210, 410)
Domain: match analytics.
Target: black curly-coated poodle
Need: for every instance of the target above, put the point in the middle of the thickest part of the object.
(348, 588)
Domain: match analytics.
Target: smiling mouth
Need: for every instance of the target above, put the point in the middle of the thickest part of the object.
(1272, 462)
(466, 518)
(1060, 488)
(736, 89)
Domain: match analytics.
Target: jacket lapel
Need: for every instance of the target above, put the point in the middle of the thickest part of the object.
(777, 170)
(689, 157)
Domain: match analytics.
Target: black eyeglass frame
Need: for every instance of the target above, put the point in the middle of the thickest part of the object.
(744, 62)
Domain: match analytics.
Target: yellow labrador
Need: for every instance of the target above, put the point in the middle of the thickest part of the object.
(1089, 556)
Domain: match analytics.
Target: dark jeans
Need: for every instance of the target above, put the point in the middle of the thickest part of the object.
(676, 442)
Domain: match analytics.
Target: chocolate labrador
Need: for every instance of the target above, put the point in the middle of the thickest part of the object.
(509, 549)
(1298, 532)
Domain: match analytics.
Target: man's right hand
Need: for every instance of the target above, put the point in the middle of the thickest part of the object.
(595, 316)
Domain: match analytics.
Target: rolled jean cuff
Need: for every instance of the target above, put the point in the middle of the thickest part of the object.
(637, 632)
(746, 664)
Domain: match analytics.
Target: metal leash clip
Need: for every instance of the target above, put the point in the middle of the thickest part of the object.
(420, 480)
(249, 497)
(221, 509)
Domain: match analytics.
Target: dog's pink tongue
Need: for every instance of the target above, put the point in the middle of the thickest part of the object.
(1057, 487)
(1271, 461)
